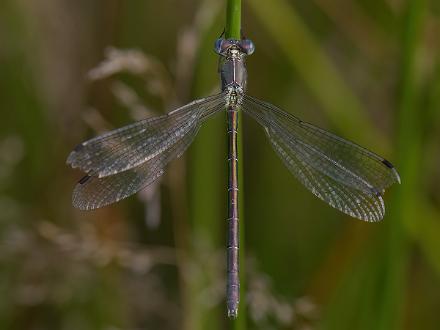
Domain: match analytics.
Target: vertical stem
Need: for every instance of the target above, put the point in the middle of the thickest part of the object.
(233, 19)
(391, 315)
(233, 31)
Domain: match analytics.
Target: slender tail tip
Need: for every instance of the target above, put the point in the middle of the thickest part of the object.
(233, 313)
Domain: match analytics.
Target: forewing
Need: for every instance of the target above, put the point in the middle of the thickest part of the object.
(93, 192)
(343, 174)
(130, 146)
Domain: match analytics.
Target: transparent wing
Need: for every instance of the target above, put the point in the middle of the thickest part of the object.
(93, 191)
(343, 174)
(356, 203)
(132, 145)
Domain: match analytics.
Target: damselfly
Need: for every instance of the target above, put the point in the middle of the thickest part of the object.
(341, 173)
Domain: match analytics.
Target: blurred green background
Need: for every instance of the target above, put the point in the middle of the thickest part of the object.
(368, 70)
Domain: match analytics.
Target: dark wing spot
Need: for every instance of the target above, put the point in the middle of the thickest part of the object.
(387, 163)
(84, 179)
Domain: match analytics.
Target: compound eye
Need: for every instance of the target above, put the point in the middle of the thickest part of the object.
(221, 45)
(218, 46)
(247, 46)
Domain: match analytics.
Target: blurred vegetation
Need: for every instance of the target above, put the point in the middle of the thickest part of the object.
(368, 70)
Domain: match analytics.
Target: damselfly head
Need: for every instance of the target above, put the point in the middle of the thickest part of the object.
(223, 46)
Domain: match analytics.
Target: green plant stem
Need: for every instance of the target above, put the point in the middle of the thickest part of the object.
(404, 204)
(233, 31)
(233, 19)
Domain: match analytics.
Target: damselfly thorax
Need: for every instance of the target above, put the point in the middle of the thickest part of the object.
(232, 68)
